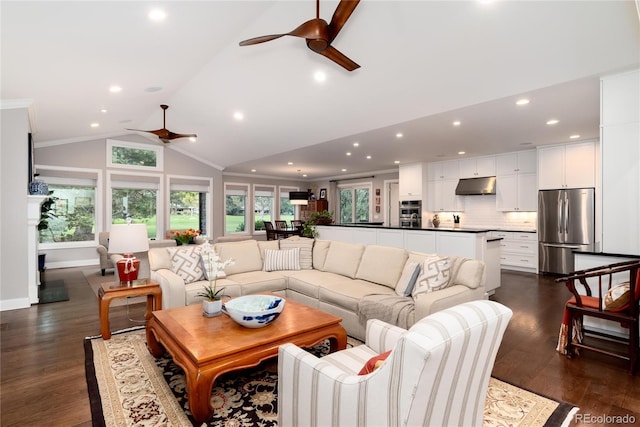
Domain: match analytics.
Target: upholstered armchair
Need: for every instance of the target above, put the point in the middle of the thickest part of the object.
(103, 245)
(437, 373)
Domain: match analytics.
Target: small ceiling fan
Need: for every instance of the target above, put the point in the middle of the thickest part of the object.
(319, 34)
(165, 134)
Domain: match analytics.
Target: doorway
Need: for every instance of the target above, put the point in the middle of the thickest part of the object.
(392, 213)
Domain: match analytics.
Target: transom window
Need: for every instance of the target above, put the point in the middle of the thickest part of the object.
(122, 154)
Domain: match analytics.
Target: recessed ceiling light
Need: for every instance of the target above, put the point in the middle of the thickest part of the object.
(348, 153)
(356, 144)
(104, 110)
(397, 162)
(319, 76)
(152, 89)
(462, 152)
(304, 175)
(553, 122)
(115, 89)
(523, 101)
(95, 125)
(253, 170)
(289, 163)
(576, 136)
(193, 139)
(457, 123)
(157, 15)
(238, 116)
(368, 157)
(399, 135)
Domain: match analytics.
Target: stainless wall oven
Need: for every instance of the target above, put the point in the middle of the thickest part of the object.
(411, 213)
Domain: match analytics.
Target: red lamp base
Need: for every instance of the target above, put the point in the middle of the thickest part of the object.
(128, 268)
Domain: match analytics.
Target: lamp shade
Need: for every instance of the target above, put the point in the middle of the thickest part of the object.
(298, 197)
(128, 238)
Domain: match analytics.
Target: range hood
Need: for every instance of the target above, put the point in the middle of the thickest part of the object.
(476, 186)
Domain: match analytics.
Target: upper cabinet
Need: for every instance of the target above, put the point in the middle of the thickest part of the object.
(518, 162)
(441, 191)
(412, 181)
(567, 166)
(477, 167)
(442, 171)
(516, 187)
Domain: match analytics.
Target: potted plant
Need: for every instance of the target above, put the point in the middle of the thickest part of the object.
(322, 217)
(183, 237)
(309, 230)
(47, 213)
(214, 268)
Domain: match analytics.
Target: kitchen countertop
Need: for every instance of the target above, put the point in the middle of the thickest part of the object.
(451, 229)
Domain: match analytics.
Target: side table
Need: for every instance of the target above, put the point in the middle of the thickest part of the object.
(135, 288)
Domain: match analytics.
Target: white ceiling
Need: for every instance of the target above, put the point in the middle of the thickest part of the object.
(424, 64)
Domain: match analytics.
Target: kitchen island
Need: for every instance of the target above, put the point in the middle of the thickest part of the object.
(467, 242)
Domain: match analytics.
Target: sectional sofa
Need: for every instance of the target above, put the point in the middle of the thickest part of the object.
(352, 281)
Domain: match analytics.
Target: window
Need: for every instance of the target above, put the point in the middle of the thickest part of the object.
(287, 210)
(135, 197)
(75, 207)
(355, 203)
(263, 205)
(189, 199)
(235, 202)
(121, 154)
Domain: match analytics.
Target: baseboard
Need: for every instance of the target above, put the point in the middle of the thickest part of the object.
(14, 304)
(69, 264)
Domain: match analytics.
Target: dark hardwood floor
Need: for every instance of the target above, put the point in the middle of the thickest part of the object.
(42, 358)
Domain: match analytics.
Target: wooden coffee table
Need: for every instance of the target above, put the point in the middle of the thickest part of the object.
(207, 347)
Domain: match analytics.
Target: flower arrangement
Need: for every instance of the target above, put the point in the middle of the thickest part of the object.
(214, 268)
(183, 236)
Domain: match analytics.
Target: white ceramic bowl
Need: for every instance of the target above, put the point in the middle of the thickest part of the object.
(254, 311)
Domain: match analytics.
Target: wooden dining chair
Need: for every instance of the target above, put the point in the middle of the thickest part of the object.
(281, 224)
(618, 292)
(295, 223)
(271, 232)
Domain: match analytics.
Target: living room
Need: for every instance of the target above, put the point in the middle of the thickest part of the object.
(79, 155)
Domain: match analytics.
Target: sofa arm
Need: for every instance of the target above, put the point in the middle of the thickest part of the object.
(174, 293)
(104, 256)
(382, 336)
(431, 302)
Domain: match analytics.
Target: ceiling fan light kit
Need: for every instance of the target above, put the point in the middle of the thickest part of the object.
(165, 134)
(319, 35)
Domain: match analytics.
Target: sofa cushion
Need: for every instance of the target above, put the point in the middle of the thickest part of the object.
(381, 264)
(470, 273)
(253, 282)
(408, 278)
(305, 245)
(320, 249)
(344, 258)
(308, 282)
(267, 244)
(231, 289)
(276, 260)
(436, 275)
(346, 293)
(245, 255)
(186, 262)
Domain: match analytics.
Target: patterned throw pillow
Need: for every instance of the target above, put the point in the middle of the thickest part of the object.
(408, 279)
(306, 248)
(187, 263)
(436, 275)
(288, 259)
(374, 363)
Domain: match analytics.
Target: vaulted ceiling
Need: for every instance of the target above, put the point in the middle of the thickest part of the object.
(424, 65)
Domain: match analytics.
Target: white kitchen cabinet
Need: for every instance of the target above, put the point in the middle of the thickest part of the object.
(518, 250)
(567, 166)
(441, 196)
(412, 181)
(443, 171)
(420, 241)
(477, 167)
(518, 162)
(516, 193)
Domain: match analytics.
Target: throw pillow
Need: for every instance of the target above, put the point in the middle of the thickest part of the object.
(288, 259)
(436, 274)
(407, 280)
(186, 262)
(617, 297)
(374, 363)
(306, 249)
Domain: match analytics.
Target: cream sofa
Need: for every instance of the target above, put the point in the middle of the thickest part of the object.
(335, 277)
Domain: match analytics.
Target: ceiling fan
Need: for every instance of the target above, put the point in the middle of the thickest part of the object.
(165, 134)
(319, 34)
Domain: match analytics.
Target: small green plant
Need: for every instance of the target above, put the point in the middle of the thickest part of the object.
(214, 267)
(322, 217)
(210, 292)
(309, 230)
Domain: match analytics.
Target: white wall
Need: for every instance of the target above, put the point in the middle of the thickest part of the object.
(14, 184)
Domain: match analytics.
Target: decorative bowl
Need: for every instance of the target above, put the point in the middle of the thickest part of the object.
(254, 311)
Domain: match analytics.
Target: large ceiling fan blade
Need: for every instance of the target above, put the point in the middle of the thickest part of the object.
(340, 17)
(181, 135)
(164, 134)
(336, 56)
(261, 39)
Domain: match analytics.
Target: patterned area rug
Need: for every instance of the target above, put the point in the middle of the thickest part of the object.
(128, 387)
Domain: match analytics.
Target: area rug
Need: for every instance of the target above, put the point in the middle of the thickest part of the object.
(129, 387)
(95, 279)
(52, 291)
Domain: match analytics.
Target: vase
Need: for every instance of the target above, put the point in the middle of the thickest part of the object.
(38, 187)
(211, 308)
(436, 221)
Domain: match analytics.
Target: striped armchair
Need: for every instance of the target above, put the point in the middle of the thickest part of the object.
(436, 375)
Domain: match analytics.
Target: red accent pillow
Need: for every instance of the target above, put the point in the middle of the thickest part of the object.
(374, 363)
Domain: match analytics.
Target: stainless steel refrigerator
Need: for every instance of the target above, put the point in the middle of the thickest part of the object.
(566, 222)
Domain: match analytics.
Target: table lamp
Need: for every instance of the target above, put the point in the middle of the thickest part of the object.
(127, 239)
